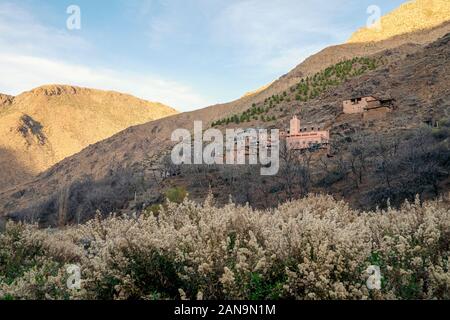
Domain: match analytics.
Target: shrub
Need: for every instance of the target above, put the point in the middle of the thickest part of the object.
(314, 248)
(176, 195)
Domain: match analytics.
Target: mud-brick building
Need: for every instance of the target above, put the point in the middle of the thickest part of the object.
(301, 138)
(370, 107)
(359, 104)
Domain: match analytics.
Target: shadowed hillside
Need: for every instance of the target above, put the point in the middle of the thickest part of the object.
(45, 125)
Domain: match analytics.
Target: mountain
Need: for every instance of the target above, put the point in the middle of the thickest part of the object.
(111, 175)
(410, 17)
(43, 126)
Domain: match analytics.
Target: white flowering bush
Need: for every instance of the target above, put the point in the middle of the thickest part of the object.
(314, 248)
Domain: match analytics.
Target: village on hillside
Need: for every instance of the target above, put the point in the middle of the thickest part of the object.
(313, 137)
(298, 137)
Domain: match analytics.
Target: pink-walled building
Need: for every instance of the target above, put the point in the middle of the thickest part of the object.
(300, 138)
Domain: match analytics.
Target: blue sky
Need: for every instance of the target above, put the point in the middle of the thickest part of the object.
(186, 53)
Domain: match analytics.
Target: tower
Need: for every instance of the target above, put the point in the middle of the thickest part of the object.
(295, 126)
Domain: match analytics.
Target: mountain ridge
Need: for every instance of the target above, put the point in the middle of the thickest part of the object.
(400, 44)
(43, 126)
(409, 17)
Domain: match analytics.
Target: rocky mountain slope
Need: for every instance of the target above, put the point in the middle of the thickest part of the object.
(43, 126)
(5, 100)
(108, 175)
(410, 17)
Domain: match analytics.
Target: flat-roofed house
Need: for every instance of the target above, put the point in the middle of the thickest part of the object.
(301, 138)
(359, 104)
(370, 107)
(379, 110)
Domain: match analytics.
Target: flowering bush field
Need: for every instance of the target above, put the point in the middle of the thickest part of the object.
(314, 248)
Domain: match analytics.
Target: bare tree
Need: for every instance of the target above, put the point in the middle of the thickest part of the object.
(359, 158)
(295, 171)
(288, 167)
(304, 173)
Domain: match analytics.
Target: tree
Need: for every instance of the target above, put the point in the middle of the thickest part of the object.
(295, 172)
(359, 158)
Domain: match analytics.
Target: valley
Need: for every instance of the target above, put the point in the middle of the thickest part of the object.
(350, 203)
(127, 175)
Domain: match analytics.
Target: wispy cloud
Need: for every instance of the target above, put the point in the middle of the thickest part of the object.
(268, 37)
(21, 32)
(26, 72)
(32, 54)
(277, 35)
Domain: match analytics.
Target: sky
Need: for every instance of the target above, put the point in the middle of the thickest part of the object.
(185, 53)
